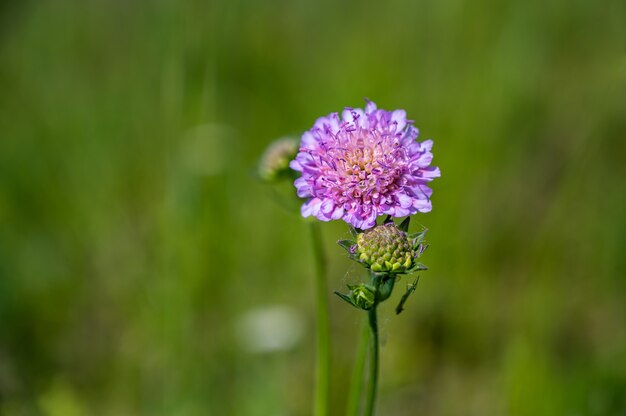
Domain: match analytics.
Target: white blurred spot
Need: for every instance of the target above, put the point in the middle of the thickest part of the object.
(270, 329)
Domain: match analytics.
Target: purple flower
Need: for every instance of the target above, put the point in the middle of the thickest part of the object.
(362, 165)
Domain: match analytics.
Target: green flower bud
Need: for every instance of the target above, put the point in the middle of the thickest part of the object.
(386, 249)
(362, 296)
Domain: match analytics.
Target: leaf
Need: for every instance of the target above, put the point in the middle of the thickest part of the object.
(346, 298)
(410, 288)
(388, 219)
(346, 244)
(404, 225)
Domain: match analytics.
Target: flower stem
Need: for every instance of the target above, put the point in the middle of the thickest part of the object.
(322, 371)
(356, 385)
(376, 281)
(371, 393)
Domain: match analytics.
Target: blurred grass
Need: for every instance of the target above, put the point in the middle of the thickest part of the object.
(133, 236)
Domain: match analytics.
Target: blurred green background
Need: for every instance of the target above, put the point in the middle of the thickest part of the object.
(144, 271)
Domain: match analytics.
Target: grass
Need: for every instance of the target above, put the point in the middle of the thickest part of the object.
(133, 236)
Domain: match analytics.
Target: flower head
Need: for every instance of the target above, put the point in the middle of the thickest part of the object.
(362, 165)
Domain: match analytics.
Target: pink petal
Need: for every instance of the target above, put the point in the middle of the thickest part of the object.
(427, 145)
(311, 207)
(370, 107)
(303, 188)
(399, 117)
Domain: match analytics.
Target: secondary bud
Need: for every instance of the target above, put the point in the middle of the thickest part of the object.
(362, 296)
(275, 161)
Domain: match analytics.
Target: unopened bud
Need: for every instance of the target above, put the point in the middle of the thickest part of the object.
(362, 296)
(275, 161)
(385, 249)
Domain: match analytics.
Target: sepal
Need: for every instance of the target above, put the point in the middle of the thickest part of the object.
(386, 287)
(347, 245)
(417, 238)
(354, 231)
(416, 267)
(404, 225)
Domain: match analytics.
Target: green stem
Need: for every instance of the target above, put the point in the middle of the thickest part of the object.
(376, 281)
(322, 371)
(371, 393)
(356, 385)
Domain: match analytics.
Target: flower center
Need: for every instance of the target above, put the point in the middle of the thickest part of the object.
(362, 166)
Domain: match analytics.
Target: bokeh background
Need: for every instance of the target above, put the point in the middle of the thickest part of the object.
(145, 271)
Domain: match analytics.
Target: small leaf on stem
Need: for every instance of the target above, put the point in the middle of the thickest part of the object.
(346, 298)
(410, 288)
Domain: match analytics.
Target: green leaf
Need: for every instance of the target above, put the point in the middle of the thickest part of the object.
(346, 244)
(388, 219)
(410, 288)
(404, 225)
(346, 298)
